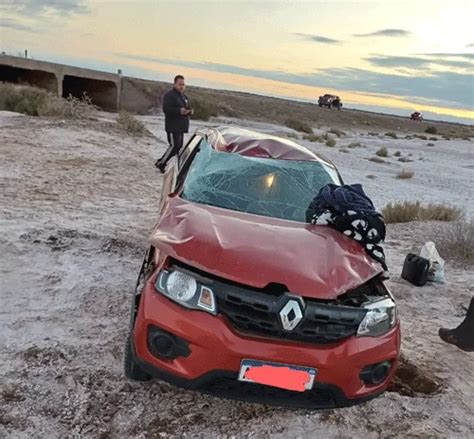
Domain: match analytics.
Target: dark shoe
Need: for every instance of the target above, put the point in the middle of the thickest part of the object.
(463, 335)
(450, 336)
(160, 166)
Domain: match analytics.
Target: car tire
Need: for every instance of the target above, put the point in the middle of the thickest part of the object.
(131, 369)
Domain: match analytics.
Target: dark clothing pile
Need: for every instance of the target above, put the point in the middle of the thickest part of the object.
(175, 122)
(349, 210)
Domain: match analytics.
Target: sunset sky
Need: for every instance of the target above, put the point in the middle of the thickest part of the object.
(390, 56)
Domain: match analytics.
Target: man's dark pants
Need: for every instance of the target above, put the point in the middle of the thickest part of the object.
(175, 141)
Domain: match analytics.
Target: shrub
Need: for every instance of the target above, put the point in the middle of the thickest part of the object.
(382, 152)
(413, 211)
(22, 99)
(337, 132)
(128, 123)
(420, 136)
(344, 150)
(298, 125)
(405, 160)
(37, 102)
(457, 241)
(371, 176)
(71, 107)
(203, 110)
(392, 135)
(431, 130)
(314, 138)
(292, 135)
(372, 134)
(397, 153)
(331, 142)
(405, 174)
(376, 160)
(433, 138)
(355, 145)
(430, 144)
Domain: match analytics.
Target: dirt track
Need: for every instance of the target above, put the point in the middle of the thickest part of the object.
(77, 202)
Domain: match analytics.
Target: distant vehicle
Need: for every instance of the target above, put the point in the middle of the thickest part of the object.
(416, 116)
(330, 101)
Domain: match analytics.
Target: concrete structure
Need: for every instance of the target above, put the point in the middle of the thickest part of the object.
(103, 88)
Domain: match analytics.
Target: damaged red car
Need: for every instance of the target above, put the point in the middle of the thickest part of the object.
(240, 297)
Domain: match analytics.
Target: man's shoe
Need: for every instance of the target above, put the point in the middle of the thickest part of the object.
(450, 336)
(463, 335)
(160, 166)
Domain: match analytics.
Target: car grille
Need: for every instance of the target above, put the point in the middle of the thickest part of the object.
(259, 313)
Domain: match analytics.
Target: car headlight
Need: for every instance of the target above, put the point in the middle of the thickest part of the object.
(181, 286)
(380, 318)
(184, 289)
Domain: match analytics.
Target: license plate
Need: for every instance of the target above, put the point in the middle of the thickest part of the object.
(284, 376)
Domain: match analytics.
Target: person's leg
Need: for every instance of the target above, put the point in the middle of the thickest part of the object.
(170, 152)
(463, 335)
(178, 140)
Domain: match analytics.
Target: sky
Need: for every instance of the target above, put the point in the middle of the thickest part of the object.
(388, 56)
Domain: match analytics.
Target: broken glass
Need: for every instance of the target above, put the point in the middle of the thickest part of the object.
(262, 186)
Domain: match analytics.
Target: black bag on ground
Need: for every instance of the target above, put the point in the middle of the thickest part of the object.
(416, 269)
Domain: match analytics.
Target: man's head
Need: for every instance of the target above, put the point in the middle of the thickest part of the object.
(179, 84)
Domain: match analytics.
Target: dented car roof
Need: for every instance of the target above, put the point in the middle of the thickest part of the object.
(255, 144)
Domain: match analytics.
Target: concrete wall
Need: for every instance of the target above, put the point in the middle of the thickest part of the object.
(142, 96)
(103, 88)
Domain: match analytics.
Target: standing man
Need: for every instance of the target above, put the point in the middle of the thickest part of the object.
(177, 113)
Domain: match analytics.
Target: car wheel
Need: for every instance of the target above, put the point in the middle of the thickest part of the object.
(131, 368)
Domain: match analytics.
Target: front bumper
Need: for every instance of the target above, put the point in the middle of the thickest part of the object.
(216, 351)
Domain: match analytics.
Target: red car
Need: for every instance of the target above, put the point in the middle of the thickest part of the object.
(240, 297)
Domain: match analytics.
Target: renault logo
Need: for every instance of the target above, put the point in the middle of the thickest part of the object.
(291, 315)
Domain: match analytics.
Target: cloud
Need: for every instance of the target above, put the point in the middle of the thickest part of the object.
(214, 67)
(41, 7)
(13, 24)
(385, 33)
(416, 63)
(468, 56)
(318, 39)
(397, 61)
(444, 88)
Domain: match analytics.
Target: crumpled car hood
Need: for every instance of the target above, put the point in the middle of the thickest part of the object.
(312, 261)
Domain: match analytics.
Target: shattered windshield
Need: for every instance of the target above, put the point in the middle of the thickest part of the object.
(269, 187)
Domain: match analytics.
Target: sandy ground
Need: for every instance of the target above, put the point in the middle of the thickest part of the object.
(77, 201)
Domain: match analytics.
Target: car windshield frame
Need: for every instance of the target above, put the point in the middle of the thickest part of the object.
(267, 187)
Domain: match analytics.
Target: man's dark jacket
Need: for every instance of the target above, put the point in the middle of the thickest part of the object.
(175, 122)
